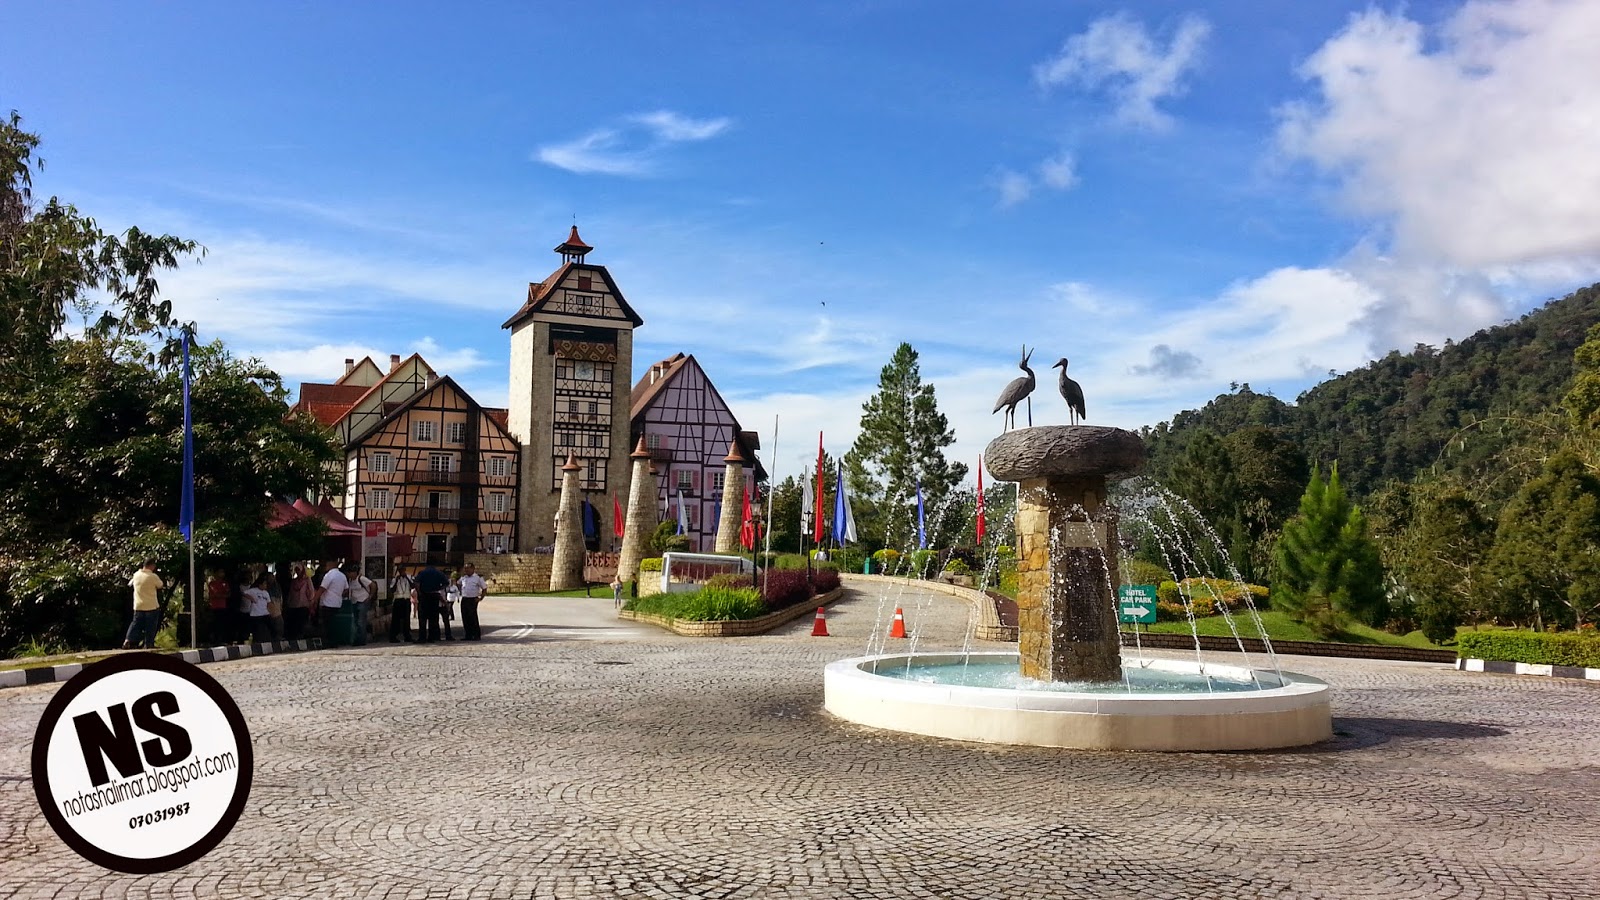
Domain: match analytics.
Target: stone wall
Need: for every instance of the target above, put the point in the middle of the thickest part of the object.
(513, 573)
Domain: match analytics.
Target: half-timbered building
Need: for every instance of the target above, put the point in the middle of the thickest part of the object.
(688, 428)
(571, 370)
(423, 456)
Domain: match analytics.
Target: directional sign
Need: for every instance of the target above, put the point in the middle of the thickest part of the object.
(1137, 603)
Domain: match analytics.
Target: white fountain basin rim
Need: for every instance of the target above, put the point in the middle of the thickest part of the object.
(1291, 715)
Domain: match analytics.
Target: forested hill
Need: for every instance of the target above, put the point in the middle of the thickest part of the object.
(1392, 418)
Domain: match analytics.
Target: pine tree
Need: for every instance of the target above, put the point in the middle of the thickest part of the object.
(1328, 567)
(903, 436)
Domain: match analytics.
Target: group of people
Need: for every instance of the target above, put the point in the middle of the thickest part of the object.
(257, 604)
(435, 595)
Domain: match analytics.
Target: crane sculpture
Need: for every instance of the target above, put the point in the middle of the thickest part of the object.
(1071, 392)
(1015, 392)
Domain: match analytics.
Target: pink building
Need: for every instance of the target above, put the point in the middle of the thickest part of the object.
(687, 427)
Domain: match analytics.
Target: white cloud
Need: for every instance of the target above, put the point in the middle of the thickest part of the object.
(1117, 53)
(1059, 172)
(670, 126)
(1014, 187)
(446, 361)
(1471, 153)
(631, 148)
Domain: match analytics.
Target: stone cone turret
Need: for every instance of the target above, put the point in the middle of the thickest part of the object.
(640, 523)
(566, 570)
(732, 501)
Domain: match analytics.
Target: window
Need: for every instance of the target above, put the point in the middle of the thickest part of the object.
(596, 440)
(495, 543)
(652, 441)
(455, 432)
(497, 502)
(685, 480)
(425, 432)
(572, 406)
(717, 480)
(592, 470)
(379, 498)
(439, 463)
(381, 462)
(584, 282)
(594, 407)
(499, 466)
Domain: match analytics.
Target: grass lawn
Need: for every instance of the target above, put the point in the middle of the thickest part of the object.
(35, 662)
(599, 591)
(1282, 628)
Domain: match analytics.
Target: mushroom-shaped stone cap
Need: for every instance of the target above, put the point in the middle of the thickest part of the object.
(1064, 451)
(640, 452)
(572, 464)
(734, 456)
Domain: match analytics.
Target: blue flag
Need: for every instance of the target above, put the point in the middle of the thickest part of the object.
(186, 512)
(591, 528)
(683, 514)
(840, 524)
(922, 532)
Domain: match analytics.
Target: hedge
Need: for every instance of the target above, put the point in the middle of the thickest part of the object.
(1562, 649)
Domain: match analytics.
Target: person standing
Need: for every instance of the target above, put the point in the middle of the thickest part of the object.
(260, 618)
(616, 592)
(297, 608)
(403, 590)
(217, 592)
(431, 584)
(473, 587)
(361, 590)
(452, 599)
(146, 607)
(330, 597)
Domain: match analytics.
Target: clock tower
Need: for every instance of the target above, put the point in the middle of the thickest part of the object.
(571, 385)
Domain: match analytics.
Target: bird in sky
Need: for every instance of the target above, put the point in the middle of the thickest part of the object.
(1015, 392)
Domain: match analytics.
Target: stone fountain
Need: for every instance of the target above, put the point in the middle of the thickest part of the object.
(1067, 686)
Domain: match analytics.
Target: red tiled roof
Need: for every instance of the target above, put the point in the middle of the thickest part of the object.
(499, 416)
(573, 242)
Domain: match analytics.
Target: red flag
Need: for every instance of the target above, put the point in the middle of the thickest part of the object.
(816, 519)
(980, 500)
(747, 531)
(617, 523)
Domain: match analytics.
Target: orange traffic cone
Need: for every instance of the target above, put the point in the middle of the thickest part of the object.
(819, 628)
(898, 629)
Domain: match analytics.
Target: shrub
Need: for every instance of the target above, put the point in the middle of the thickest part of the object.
(1561, 649)
(918, 562)
(885, 560)
(1231, 594)
(1137, 571)
(705, 605)
(1173, 610)
(957, 566)
(785, 587)
(666, 538)
(650, 564)
(825, 580)
(790, 561)
(729, 581)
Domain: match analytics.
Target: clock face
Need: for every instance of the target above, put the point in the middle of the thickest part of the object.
(584, 371)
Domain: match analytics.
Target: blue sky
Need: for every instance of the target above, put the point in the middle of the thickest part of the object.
(1176, 196)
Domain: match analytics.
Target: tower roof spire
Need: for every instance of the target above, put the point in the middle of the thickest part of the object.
(573, 249)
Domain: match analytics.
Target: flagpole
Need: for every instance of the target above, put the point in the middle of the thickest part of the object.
(186, 509)
(767, 546)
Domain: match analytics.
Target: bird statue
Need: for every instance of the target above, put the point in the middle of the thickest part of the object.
(1071, 392)
(1016, 392)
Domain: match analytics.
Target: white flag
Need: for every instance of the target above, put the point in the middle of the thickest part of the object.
(806, 502)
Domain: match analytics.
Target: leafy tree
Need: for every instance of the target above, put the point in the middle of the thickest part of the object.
(1547, 547)
(1328, 566)
(90, 473)
(903, 436)
(1436, 542)
(666, 538)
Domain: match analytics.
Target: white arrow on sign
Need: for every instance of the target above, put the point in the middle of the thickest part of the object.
(1135, 610)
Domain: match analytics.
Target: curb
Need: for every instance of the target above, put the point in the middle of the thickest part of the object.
(734, 627)
(1507, 667)
(200, 656)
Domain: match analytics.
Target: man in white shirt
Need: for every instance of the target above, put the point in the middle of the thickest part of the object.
(330, 597)
(361, 591)
(473, 588)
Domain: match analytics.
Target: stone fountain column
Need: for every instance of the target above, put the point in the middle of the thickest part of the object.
(566, 570)
(1066, 545)
(640, 523)
(732, 501)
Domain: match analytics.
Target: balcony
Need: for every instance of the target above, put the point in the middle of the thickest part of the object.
(432, 476)
(661, 454)
(430, 513)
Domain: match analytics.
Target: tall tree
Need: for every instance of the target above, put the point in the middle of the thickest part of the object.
(1546, 557)
(902, 441)
(1328, 566)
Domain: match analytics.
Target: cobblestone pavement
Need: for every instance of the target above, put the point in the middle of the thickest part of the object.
(671, 767)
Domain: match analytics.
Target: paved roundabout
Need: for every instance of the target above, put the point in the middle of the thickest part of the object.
(566, 757)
